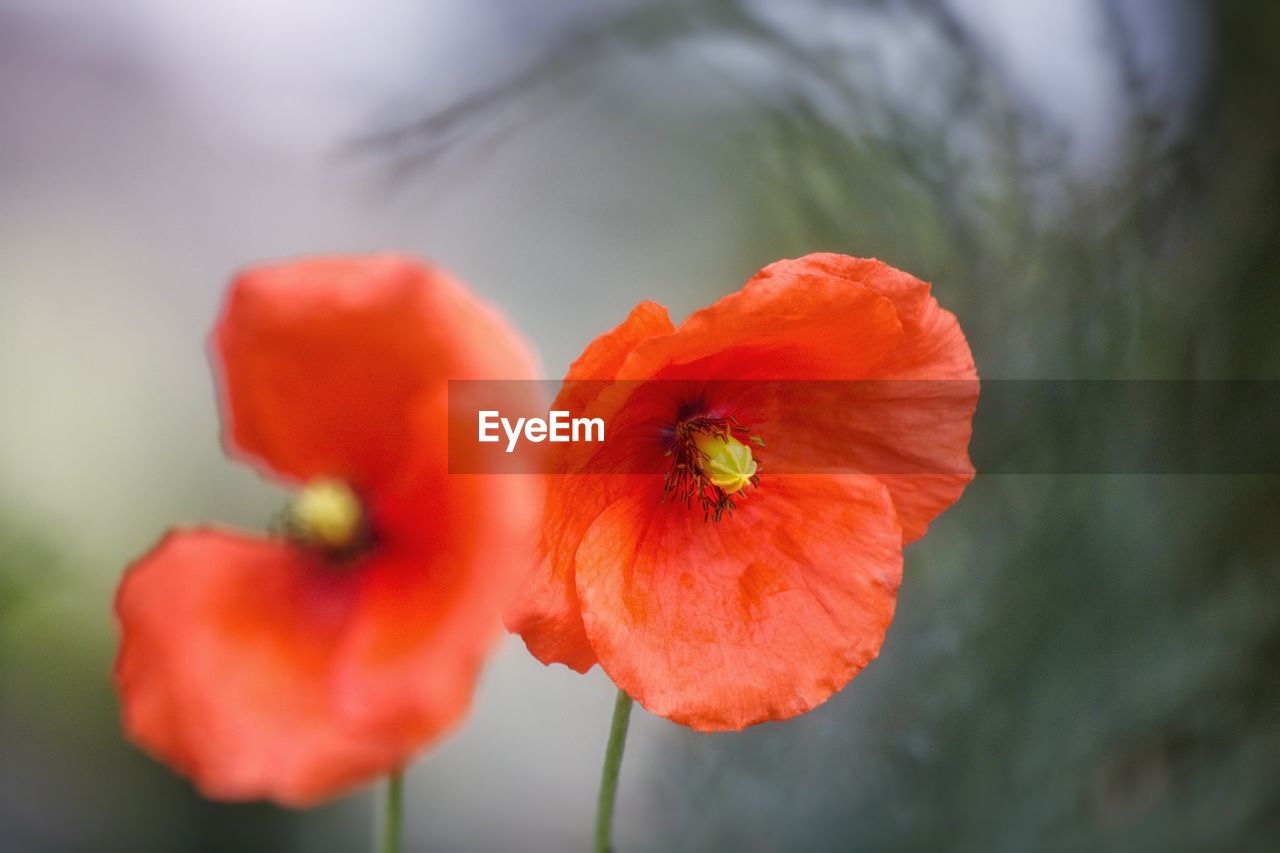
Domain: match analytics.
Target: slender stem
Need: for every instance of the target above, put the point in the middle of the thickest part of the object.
(393, 817)
(609, 777)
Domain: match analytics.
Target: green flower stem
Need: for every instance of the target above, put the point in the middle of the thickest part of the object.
(609, 777)
(393, 818)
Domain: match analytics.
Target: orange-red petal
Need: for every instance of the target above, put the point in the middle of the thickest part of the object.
(224, 669)
(809, 325)
(911, 425)
(262, 673)
(545, 612)
(324, 363)
(605, 355)
(761, 616)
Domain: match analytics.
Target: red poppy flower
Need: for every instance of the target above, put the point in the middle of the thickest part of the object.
(759, 574)
(293, 666)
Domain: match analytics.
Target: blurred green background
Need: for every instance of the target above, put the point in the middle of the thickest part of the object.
(1078, 663)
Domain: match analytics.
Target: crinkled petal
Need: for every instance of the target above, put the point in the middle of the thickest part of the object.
(801, 326)
(911, 426)
(761, 616)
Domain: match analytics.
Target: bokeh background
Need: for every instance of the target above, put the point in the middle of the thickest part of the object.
(1081, 662)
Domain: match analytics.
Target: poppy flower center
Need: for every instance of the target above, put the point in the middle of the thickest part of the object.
(327, 516)
(711, 465)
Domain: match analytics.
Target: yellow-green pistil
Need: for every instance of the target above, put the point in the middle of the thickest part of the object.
(726, 462)
(326, 514)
